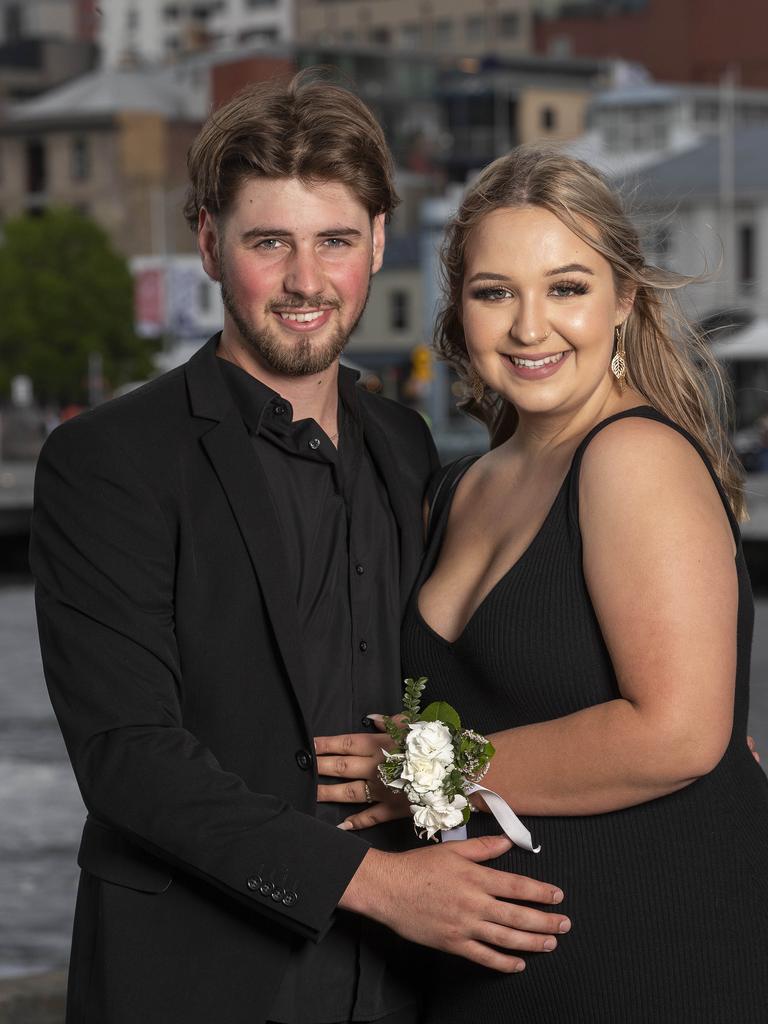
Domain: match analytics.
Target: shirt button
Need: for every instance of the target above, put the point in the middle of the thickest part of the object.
(290, 899)
(363, 646)
(366, 722)
(303, 760)
(314, 444)
(279, 410)
(359, 569)
(253, 883)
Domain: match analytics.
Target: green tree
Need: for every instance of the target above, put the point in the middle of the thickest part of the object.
(64, 294)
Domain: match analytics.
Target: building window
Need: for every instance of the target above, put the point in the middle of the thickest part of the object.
(411, 36)
(399, 310)
(37, 177)
(171, 12)
(252, 4)
(746, 255)
(131, 19)
(509, 25)
(172, 44)
(475, 27)
(548, 119)
(14, 23)
(380, 36)
(80, 159)
(442, 34)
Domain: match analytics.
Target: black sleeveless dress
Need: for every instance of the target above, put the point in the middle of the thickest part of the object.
(669, 900)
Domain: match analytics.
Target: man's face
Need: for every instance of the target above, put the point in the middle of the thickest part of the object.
(295, 263)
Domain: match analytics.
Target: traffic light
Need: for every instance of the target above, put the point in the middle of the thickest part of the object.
(421, 363)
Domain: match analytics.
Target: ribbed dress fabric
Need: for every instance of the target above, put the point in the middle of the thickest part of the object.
(669, 899)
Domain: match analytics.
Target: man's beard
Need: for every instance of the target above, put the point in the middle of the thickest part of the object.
(291, 359)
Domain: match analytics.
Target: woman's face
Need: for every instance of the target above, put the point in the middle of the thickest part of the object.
(539, 309)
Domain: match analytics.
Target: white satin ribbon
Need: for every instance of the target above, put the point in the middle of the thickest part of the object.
(505, 816)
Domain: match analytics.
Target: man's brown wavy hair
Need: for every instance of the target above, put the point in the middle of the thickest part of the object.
(306, 128)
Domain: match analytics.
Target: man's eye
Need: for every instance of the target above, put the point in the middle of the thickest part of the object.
(269, 244)
(336, 243)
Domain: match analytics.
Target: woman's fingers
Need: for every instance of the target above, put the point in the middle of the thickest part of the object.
(360, 744)
(376, 814)
(354, 792)
(348, 767)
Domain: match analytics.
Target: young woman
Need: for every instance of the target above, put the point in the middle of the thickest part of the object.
(585, 603)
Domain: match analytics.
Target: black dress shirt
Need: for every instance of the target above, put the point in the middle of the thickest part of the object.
(343, 564)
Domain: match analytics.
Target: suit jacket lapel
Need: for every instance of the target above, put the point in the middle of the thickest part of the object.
(243, 480)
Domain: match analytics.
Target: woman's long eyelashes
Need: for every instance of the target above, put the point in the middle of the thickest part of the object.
(566, 288)
(561, 289)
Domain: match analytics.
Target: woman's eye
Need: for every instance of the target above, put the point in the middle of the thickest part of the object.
(492, 294)
(564, 289)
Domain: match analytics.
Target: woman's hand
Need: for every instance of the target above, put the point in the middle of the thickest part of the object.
(355, 757)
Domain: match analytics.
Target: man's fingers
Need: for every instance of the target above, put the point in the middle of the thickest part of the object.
(491, 958)
(347, 767)
(482, 848)
(510, 938)
(518, 887)
(526, 919)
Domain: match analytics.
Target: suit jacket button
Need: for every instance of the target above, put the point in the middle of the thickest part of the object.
(303, 760)
(266, 888)
(290, 899)
(253, 883)
(277, 894)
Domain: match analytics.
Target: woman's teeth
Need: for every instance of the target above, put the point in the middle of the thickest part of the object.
(303, 318)
(537, 362)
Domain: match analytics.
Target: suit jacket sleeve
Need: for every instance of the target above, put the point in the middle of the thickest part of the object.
(102, 553)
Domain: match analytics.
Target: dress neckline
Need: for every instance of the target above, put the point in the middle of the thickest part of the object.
(433, 552)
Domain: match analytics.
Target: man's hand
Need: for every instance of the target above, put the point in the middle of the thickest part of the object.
(751, 745)
(444, 898)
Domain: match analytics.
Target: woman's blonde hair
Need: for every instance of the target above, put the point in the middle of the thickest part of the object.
(668, 362)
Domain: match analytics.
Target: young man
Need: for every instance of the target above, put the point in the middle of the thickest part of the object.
(222, 559)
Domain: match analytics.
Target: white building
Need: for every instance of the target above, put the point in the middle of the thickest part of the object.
(148, 31)
(27, 19)
(638, 123)
(706, 210)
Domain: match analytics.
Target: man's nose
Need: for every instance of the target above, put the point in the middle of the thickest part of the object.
(303, 275)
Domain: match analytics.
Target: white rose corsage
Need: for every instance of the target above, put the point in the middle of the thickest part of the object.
(438, 764)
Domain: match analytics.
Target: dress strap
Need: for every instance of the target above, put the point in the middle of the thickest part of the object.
(649, 413)
(440, 491)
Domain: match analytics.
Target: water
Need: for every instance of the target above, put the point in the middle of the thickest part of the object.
(41, 813)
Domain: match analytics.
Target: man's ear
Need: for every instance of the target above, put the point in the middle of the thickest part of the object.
(208, 243)
(377, 227)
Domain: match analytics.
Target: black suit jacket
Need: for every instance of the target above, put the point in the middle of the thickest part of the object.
(175, 666)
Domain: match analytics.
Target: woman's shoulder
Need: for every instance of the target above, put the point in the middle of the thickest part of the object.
(648, 469)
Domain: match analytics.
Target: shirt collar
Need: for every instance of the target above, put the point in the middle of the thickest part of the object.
(255, 400)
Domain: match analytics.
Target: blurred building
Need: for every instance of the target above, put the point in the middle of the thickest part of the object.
(111, 144)
(677, 40)
(707, 210)
(450, 26)
(42, 44)
(149, 31)
(636, 125)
